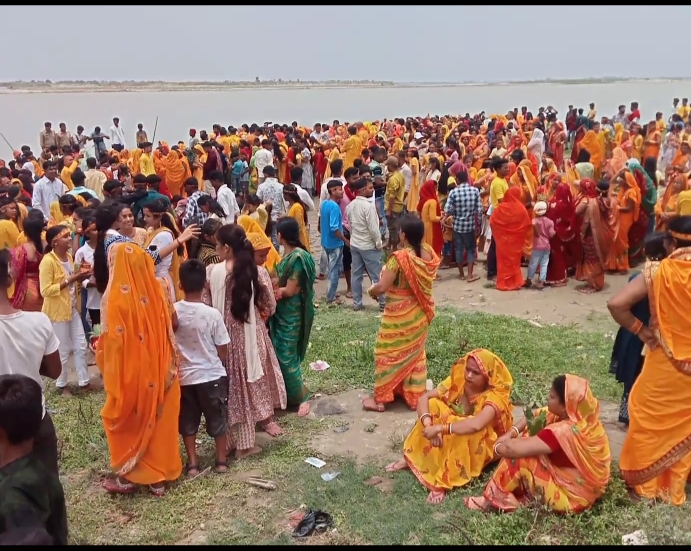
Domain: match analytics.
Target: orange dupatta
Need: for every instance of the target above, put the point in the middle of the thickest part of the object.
(138, 359)
(591, 143)
(176, 172)
(419, 274)
(584, 441)
(510, 223)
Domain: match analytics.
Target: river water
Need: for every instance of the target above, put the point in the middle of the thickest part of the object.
(22, 114)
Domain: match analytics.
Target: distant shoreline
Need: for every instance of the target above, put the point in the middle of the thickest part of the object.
(63, 87)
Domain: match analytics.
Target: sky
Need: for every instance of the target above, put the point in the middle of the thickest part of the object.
(386, 43)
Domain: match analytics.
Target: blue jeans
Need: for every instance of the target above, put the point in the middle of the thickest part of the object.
(541, 259)
(381, 211)
(274, 237)
(369, 260)
(465, 240)
(335, 260)
(85, 313)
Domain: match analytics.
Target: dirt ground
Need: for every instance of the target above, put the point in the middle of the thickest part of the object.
(562, 305)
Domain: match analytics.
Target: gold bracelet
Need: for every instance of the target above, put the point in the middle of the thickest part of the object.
(448, 429)
(514, 430)
(636, 327)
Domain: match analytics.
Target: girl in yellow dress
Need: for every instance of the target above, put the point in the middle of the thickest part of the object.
(458, 425)
(298, 211)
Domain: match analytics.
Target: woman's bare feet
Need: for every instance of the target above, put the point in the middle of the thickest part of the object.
(476, 503)
(241, 454)
(368, 404)
(400, 465)
(435, 497)
(65, 392)
(272, 429)
(304, 409)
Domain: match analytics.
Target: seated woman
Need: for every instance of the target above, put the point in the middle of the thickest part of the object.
(565, 466)
(438, 449)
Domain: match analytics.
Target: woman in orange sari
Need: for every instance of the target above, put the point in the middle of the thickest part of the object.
(666, 207)
(652, 142)
(565, 466)
(656, 457)
(400, 361)
(176, 172)
(458, 425)
(596, 236)
(591, 143)
(429, 209)
(509, 223)
(628, 207)
(525, 181)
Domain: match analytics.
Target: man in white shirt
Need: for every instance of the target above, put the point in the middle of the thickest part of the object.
(225, 197)
(48, 189)
(30, 348)
(117, 135)
(365, 240)
(263, 158)
(305, 197)
(95, 179)
(407, 172)
(271, 190)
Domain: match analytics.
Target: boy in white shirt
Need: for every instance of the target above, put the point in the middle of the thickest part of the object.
(203, 343)
(85, 257)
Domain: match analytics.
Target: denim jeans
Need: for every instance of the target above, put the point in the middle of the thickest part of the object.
(369, 260)
(381, 211)
(274, 237)
(465, 240)
(323, 263)
(335, 259)
(541, 259)
(85, 313)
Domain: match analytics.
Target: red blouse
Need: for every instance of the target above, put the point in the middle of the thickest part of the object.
(557, 457)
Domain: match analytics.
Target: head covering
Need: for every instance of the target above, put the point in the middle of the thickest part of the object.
(540, 208)
(251, 226)
(497, 394)
(589, 188)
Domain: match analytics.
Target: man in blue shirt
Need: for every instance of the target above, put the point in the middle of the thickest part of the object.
(332, 238)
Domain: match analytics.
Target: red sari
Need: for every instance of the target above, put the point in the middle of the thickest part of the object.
(597, 238)
(510, 224)
(562, 212)
(555, 142)
(320, 163)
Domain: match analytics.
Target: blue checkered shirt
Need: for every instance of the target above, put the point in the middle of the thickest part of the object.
(464, 204)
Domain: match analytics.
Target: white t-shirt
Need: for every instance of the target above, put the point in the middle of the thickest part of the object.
(68, 272)
(85, 255)
(201, 328)
(262, 159)
(26, 337)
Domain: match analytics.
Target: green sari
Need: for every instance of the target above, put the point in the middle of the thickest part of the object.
(291, 324)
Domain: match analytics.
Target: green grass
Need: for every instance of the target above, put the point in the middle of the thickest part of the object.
(224, 510)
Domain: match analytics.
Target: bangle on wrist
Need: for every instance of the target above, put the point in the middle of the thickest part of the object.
(422, 418)
(636, 327)
(514, 431)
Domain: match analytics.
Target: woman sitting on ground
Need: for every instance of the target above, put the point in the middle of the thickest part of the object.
(448, 448)
(565, 466)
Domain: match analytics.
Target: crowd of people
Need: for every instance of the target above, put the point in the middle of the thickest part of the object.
(188, 271)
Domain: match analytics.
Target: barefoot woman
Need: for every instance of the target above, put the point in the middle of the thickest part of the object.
(447, 449)
(291, 324)
(400, 361)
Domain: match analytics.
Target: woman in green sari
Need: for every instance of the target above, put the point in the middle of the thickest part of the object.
(291, 324)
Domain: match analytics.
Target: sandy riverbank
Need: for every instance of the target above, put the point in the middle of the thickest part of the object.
(47, 87)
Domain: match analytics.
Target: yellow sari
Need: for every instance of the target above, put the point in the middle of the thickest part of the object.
(400, 362)
(591, 143)
(656, 457)
(583, 441)
(297, 213)
(667, 204)
(251, 228)
(462, 457)
(138, 359)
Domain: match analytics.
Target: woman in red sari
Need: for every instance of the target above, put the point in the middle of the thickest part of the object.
(562, 212)
(555, 142)
(320, 164)
(510, 223)
(596, 235)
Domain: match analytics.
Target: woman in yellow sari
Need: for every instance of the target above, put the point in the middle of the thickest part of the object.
(263, 248)
(656, 457)
(458, 425)
(297, 211)
(133, 163)
(666, 206)
(198, 166)
(524, 180)
(566, 465)
(591, 143)
(400, 361)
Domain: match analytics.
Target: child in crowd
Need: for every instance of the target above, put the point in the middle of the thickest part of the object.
(31, 498)
(84, 258)
(203, 341)
(543, 231)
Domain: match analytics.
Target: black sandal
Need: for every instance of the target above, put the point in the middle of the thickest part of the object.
(221, 464)
(189, 468)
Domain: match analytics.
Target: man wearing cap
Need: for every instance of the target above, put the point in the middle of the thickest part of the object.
(117, 135)
(393, 199)
(332, 238)
(48, 137)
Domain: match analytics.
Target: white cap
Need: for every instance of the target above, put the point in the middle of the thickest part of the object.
(540, 208)
(417, 135)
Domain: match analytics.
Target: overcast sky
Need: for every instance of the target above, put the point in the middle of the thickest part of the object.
(402, 44)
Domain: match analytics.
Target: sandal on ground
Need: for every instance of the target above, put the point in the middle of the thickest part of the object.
(114, 486)
(221, 467)
(157, 491)
(189, 468)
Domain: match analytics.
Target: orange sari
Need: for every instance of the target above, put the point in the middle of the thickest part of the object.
(656, 457)
(509, 223)
(591, 143)
(524, 179)
(575, 489)
(667, 204)
(400, 362)
(618, 259)
(176, 171)
(596, 236)
(138, 359)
